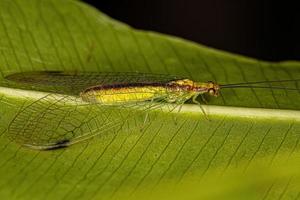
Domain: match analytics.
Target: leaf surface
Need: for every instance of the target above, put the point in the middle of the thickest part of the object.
(248, 149)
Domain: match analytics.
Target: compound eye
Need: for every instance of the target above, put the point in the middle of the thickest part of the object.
(211, 92)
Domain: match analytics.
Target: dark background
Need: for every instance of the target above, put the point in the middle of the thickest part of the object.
(264, 29)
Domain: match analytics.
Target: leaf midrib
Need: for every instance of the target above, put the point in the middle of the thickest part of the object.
(212, 110)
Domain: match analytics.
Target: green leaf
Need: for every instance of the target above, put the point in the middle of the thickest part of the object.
(248, 149)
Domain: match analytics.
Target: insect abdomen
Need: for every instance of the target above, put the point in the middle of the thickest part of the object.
(122, 95)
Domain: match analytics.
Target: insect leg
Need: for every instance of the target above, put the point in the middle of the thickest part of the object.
(203, 98)
(146, 116)
(194, 99)
(180, 104)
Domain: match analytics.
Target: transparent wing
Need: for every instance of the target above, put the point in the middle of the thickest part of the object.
(59, 120)
(75, 82)
(56, 121)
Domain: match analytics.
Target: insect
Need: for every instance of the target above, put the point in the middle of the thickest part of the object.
(81, 105)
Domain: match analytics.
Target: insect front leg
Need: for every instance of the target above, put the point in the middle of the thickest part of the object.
(203, 98)
(194, 99)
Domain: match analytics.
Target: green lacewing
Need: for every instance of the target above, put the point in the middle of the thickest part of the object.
(81, 105)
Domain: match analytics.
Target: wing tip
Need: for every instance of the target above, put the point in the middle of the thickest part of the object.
(58, 145)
